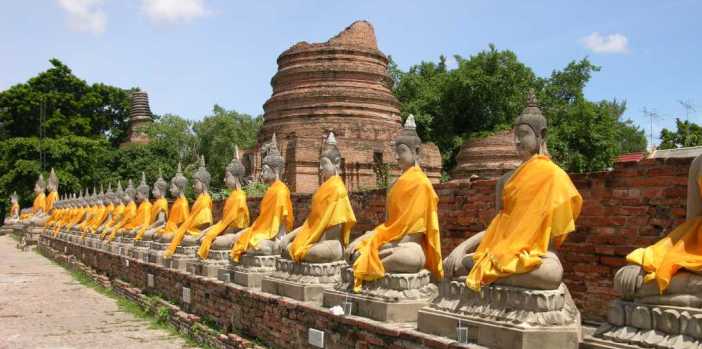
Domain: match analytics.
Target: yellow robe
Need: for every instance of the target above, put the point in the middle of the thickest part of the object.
(275, 206)
(411, 208)
(75, 217)
(37, 206)
(142, 217)
(102, 219)
(97, 216)
(235, 214)
(130, 211)
(160, 205)
(89, 216)
(50, 200)
(176, 216)
(330, 206)
(539, 204)
(114, 219)
(681, 249)
(200, 215)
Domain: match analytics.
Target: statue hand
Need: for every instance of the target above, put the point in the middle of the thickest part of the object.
(455, 258)
(628, 279)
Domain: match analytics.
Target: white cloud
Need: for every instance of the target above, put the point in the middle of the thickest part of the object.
(173, 10)
(612, 43)
(85, 15)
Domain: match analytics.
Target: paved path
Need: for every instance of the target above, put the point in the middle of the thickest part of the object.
(41, 306)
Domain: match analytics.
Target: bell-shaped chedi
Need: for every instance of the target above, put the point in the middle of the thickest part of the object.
(486, 158)
(339, 86)
(139, 118)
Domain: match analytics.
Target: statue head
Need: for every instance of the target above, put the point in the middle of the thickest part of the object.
(234, 171)
(53, 181)
(13, 198)
(330, 159)
(201, 178)
(407, 145)
(530, 130)
(272, 168)
(129, 193)
(142, 191)
(160, 186)
(101, 196)
(178, 182)
(119, 194)
(40, 185)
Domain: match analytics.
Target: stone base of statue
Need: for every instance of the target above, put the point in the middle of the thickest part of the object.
(183, 258)
(216, 260)
(635, 325)
(91, 241)
(504, 317)
(156, 254)
(303, 281)
(250, 270)
(141, 250)
(394, 298)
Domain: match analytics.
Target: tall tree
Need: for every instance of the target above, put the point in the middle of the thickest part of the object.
(688, 134)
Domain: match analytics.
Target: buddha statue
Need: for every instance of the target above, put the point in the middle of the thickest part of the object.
(142, 218)
(14, 214)
(178, 212)
(100, 213)
(75, 215)
(661, 287)
(235, 215)
(117, 212)
(200, 216)
(409, 239)
(39, 200)
(130, 211)
(159, 210)
(321, 239)
(510, 266)
(275, 217)
(52, 188)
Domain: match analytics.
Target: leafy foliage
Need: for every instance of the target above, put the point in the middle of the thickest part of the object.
(688, 134)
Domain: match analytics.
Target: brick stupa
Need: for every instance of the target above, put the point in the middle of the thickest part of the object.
(486, 158)
(139, 118)
(343, 86)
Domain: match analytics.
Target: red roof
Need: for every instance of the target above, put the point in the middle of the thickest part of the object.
(630, 157)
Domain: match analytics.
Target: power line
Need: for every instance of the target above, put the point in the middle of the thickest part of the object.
(689, 107)
(652, 115)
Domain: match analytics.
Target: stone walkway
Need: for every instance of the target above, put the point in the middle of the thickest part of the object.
(41, 306)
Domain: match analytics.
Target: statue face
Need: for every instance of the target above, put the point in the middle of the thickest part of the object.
(198, 186)
(37, 189)
(230, 180)
(140, 196)
(526, 141)
(268, 174)
(156, 192)
(405, 156)
(175, 191)
(327, 168)
(50, 187)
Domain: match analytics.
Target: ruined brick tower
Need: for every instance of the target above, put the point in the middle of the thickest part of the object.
(343, 86)
(139, 117)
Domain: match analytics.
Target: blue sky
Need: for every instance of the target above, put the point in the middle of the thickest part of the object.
(190, 54)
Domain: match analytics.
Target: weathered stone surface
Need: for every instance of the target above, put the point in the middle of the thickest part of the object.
(486, 158)
(303, 281)
(139, 118)
(343, 86)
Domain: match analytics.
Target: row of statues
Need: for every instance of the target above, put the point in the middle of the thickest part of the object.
(510, 271)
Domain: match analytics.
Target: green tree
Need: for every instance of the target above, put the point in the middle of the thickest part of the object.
(218, 133)
(688, 134)
(72, 107)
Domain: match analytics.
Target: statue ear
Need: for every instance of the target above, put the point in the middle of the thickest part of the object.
(543, 135)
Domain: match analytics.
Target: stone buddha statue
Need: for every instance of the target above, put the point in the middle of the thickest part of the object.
(39, 201)
(117, 212)
(326, 231)
(235, 215)
(275, 217)
(159, 210)
(200, 216)
(89, 207)
(99, 214)
(312, 254)
(75, 215)
(142, 219)
(508, 279)
(178, 212)
(13, 216)
(130, 211)
(52, 188)
(409, 239)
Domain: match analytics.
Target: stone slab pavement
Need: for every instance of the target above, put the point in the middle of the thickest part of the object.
(42, 306)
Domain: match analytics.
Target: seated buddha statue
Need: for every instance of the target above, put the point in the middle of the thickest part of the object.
(13, 216)
(52, 188)
(109, 201)
(178, 212)
(200, 216)
(75, 215)
(326, 231)
(99, 214)
(142, 219)
(130, 211)
(408, 241)
(39, 202)
(235, 215)
(517, 248)
(117, 212)
(159, 210)
(89, 206)
(275, 217)
(669, 272)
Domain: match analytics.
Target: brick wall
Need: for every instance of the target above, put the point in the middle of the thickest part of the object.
(632, 206)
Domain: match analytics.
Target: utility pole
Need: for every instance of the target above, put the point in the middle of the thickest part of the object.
(652, 115)
(42, 119)
(689, 107)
